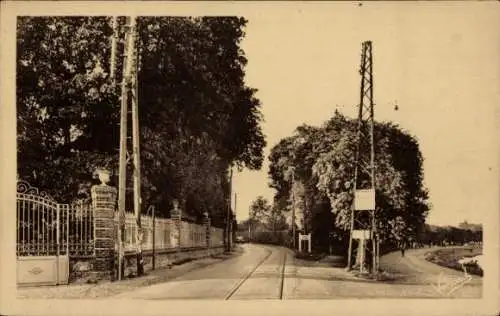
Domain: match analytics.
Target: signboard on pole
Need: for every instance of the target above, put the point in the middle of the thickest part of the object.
(364, 200)
(361, 234)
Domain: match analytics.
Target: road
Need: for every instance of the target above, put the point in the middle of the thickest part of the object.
(268, 272)
(257, 273)
(413, 268)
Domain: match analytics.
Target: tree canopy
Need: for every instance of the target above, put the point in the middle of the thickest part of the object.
(197, 115)
(322, 159)
(267, 223)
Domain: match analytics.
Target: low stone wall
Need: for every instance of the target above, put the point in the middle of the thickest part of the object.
(80, 270)
(167, 257)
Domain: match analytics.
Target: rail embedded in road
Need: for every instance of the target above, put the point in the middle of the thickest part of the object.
(245, 281)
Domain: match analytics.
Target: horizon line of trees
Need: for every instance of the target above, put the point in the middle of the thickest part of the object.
(443, 235)
(269, 225)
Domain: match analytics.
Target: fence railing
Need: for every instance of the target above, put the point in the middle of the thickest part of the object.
(164, 231)
(216, 237)
(166, 234)
(37, 226)
(48, 228)
(79, 223)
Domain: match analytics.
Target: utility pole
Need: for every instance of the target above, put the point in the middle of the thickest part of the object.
(129, 97)
(229, 211)
(136, 148)
(114, 36)
(235, 201)
(234, 212)
(122, 175)
(250, 225)
(293, 208)
(122, 159)
(363, 224)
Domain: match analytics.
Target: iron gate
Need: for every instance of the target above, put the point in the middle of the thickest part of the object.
(48, 234)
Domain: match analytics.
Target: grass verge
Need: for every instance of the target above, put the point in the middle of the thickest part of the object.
(309, 256)
(449, 258)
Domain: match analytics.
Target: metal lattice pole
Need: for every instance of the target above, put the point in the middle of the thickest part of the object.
(363, 225)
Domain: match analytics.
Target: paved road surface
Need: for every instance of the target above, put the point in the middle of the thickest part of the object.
(254, 274)
(413, 268)
(268, 272)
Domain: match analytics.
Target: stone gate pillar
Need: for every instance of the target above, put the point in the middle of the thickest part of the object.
(104, 202)
(176, 215)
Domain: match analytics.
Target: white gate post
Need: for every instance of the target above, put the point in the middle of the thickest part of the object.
(300, 242)
(309, 241)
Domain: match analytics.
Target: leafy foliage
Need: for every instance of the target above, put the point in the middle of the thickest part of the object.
(197, 116)
(267, 223)
(323, 160)
(260, 210)
(64, 102)
(442, 235)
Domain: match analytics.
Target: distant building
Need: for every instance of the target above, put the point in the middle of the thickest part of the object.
(469, 226)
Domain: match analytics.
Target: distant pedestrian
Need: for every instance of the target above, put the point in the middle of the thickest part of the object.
(402, 251)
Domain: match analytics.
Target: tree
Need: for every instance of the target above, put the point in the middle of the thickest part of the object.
(66, 111)
(197, 115)
(438, 235)
(276, 219)
(260, 210)
(267, 223)
(325, 165)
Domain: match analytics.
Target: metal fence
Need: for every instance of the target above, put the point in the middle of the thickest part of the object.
(166, 235)
(37, 225)
(193, 235)
(48, 228)
(216, 237)
(79, 220)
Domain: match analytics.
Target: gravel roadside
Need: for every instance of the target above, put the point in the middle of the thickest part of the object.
(107, 289)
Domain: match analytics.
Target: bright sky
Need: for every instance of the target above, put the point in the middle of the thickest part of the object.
(438, 62)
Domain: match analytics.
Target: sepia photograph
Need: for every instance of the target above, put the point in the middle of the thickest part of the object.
(253, 151)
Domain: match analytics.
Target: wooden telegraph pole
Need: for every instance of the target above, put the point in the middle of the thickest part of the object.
(293, 210)
(129, 97)
(250, 220)
(233, 222)
(136, 149)
(123, 157)
(229, 210)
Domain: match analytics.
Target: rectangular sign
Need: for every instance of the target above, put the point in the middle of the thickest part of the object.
(360, 234)
(305, 237)
(364, 200)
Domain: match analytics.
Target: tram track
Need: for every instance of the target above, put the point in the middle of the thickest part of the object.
(282, 283)
(281, 274)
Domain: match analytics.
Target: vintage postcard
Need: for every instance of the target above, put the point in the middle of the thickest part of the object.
(286, 157)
